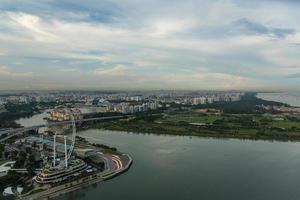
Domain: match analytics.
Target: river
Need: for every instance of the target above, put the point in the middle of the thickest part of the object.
(179, 167)
(291, 98)
(40, 118)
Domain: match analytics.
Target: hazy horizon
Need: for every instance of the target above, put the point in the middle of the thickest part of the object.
(150, 45)
(17, 91)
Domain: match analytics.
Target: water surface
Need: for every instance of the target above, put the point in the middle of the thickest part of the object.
(178, 167)
(290, 98)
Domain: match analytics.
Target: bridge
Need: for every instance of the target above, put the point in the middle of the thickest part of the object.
(18, 131)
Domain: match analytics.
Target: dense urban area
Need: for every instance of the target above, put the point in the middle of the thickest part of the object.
(39, 165)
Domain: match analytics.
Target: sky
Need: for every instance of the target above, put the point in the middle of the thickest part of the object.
(150, 44)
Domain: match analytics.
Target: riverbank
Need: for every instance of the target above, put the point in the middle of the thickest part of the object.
(290, 98)
(241, 126)
(110, 172)
(16, 111)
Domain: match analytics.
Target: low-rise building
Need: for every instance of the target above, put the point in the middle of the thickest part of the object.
(62, 114)
(85, 153)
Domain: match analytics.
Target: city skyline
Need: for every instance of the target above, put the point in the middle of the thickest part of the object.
(194, 45)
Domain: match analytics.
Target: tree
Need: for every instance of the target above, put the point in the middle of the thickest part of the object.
(30, 164)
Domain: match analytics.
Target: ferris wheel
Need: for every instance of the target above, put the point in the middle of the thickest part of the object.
(73, 138)
(68, 152)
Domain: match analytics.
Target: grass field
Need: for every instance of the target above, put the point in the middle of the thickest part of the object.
(191, 118)
(233, 120)
(251, 126)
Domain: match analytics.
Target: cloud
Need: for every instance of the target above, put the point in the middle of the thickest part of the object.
(166, 27)
(73, 10)
(31, 25)
(115, 71)
(295, 75)
(69, 70)
(4, 71)
(248, 27)
(150, 44)
(257, 3)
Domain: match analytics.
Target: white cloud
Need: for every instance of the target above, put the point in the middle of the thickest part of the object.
(115, 71)
(159, 44)
(33, 25)
(215, 80)
(69, 70)
(167, 27)
(4, 71)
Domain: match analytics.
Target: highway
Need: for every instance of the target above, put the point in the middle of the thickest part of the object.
(13, 132)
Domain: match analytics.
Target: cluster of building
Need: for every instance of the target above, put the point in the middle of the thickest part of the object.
(92, 98)
(139, 103)
(208, 99)
(18, 99)
(291, 110)
(55, 164)
(282, 109)
(123, 102)
(127, 107)
(63, 114)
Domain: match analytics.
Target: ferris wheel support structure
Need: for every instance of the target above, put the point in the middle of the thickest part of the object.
(73, 137)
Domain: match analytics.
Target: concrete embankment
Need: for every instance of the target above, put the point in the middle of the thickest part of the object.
(118, 172)
(80, 183)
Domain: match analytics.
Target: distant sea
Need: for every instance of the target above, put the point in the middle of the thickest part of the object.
(291, 98)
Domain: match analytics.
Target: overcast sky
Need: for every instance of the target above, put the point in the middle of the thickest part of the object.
(150, 44)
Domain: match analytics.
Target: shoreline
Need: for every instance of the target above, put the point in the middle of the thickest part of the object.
(77, 185)
(278, 96)
(125, 169)
(205, 136)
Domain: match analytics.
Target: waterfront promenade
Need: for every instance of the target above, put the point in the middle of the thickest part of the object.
(114, 165)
